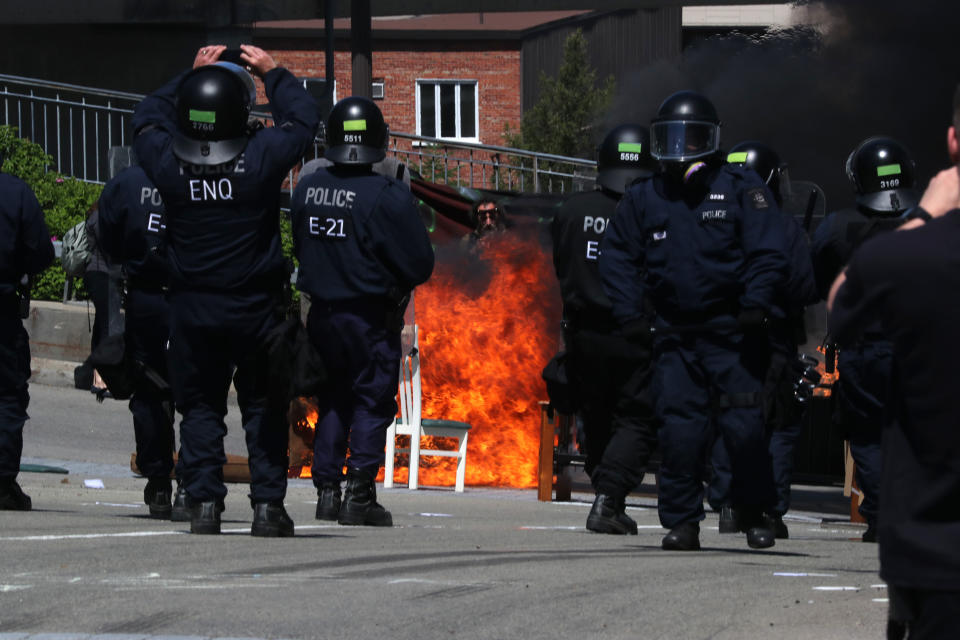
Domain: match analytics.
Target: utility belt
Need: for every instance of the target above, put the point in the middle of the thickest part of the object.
(271, 282)
(392, 308)
(146, 285)
(595, 319)
(683, 317)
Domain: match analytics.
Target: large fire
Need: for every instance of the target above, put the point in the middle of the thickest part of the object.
(488, 322)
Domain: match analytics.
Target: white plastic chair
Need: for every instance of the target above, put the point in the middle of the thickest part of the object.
(410, 423)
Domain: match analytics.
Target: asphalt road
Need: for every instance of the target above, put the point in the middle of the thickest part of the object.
(489, 563)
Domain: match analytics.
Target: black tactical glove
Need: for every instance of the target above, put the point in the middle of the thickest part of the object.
(750, 319)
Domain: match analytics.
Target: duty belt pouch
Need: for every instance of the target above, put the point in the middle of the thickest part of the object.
(110, 360)
(292, 364)
(560, 390)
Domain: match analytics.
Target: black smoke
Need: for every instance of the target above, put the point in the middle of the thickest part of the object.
(866, 67)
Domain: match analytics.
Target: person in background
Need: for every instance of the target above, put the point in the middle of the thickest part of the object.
(610, 371)
(362, 249)
(702, 244)
(131, 232)
(25, 251)
(907, 282)
(219, 176)
(783, 412)
(883, 175)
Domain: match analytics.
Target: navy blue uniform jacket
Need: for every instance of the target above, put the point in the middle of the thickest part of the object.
(223, 229)
(132, 226)
(358, 234)
(25, 246)
(577, 230)
(713, 252)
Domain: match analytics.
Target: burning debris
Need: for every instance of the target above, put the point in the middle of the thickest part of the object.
(485, 334)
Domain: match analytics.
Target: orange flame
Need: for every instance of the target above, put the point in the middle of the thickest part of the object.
(482, 350)
(481, 357)
(827, 380)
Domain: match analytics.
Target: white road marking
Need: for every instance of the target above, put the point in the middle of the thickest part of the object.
(836, 588)
(878, 586)
(114, 504)
(880, 600)
(435, 515)
(790, 574)
(140, 534)
(5, 588)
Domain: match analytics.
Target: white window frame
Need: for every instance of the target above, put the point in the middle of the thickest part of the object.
(436, 82)
(303, 81)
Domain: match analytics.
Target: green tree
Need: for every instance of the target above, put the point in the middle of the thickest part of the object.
(570, 104)
(64, 200)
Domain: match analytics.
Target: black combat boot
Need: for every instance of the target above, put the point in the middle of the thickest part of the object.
(759, 532)
(683, 537)
(780, 531)
(608, 515)
(360, 505)
(180, 512)
(728, 520)
(205, 517)
(12, 497)
(270, 520)
(328, 501)
(870, 535)
(157, 497)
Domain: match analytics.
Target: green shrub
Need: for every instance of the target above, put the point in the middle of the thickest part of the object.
(65, 200)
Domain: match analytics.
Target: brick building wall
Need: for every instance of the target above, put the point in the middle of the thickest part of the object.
(495, 65)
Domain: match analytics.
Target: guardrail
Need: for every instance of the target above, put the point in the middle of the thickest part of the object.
(77, 125)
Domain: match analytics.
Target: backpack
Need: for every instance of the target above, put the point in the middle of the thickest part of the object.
(75, 253)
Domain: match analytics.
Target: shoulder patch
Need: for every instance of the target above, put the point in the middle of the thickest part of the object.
(757, 198)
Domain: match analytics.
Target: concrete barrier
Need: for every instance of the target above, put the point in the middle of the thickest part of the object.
(59, 340)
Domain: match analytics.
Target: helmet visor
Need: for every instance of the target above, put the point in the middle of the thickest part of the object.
(682, 140)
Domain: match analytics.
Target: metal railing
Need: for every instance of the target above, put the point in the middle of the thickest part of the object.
(77, 125)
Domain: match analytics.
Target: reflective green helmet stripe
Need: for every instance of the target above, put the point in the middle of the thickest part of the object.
(203, 116)
(888, 170)
(738, 157)
(630, 147)
(354, 125)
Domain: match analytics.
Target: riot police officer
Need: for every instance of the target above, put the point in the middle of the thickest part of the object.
(220, 178)
(362, 249)
(698, 243)
(883, 176)
(784, 417)
(25, 250)
(608, 370)
(131, 231)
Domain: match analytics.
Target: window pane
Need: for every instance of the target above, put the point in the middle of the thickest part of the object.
(448, 111)
(428, 118)
(468, 111)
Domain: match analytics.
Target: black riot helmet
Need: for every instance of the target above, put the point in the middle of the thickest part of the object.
(883, 174)
(766, 163)
(213, 103)
(356, 132)
(624, 156)
(686, 128)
